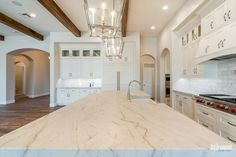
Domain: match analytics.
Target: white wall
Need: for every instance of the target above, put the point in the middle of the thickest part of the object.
(149, 46)
(40, 73)
(10, 44)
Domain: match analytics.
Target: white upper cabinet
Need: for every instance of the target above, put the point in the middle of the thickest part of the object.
(91, 68)
(208, 23)
(220, 17)
(231, 36)
(219, 29)
(69, 68)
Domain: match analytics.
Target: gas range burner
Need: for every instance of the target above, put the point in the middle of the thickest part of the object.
(222, 97)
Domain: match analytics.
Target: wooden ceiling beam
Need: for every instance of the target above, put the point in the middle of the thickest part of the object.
(125, 19)
(2, 37)
(57, 12)
(20, 27)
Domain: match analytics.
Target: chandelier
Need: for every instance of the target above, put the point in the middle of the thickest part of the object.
(104, 17)
(114, 46)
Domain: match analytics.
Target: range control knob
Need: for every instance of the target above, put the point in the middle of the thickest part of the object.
(210, 103)
(233, 110)
(222, 107)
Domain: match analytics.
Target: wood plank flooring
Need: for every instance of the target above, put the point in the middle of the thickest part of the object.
(22, 112)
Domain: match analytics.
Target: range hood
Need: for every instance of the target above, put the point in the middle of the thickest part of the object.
(224, 57)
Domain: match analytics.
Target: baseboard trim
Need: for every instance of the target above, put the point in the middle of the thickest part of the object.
(7, 102)
(38, 95)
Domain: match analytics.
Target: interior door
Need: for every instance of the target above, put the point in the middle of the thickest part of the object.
(19, 80)
(148, 78)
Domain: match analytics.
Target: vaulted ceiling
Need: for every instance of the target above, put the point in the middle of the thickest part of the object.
(142, 15)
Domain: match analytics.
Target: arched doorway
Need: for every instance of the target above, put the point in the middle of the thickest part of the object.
(148, 77)
(28, 74)
(165, 77)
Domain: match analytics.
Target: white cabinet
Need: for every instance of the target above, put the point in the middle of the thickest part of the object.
(91, 68)
(220, 122)
(208, 23)
(230, 36)
(184, 104)
(206, 45)
(220, 17)
(206, 117)
(67, 96)
(69, 68)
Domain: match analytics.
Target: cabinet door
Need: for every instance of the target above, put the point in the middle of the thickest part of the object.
(231, 12)
(96, 68)
(221, 41)
(208, 23)
(185, 62)
(221, 18)
(74, 95)
(61, 96)
(178, 103)
(91, 68)
(69, 68)
(86, 68)
(206, 46)
(231, 35)
(188, 107)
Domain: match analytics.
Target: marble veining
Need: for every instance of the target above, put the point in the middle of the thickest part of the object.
(108, 121)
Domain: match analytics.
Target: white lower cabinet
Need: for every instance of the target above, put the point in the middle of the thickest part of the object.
(66, 96)
(184, 104)
(223, 124)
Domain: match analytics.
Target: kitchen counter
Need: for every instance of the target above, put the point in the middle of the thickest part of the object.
(107, 124)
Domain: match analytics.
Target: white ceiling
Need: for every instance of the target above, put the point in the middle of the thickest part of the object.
(142, 15)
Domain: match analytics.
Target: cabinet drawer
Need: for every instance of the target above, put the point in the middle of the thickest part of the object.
(206, 113)
(228, 136)
(208, 124)
(228, 124)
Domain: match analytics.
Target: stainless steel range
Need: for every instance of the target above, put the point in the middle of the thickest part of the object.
(225, 103)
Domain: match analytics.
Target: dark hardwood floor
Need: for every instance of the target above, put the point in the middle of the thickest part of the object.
(22, 112)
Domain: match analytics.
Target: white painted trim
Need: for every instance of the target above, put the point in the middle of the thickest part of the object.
(38, 95)
(7, 102)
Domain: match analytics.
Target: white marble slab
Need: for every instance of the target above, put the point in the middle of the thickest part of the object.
(106, 124)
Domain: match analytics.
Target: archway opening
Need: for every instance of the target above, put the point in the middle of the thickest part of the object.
(28, 74)
(148, 77)
(165, 77)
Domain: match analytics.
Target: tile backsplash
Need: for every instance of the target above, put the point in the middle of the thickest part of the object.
(225, 82)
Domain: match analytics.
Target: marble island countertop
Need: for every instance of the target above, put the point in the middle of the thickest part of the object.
(108, 121)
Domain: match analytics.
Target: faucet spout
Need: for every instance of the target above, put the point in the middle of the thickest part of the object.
(134, 81)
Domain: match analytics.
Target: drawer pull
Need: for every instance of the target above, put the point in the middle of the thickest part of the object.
(205, 113)
(231, 124)
(205, 125)
(231, 139)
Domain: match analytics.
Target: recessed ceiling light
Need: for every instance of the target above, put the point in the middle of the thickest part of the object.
(33, 15)
(165, 7)
(16, 3)
(153, 27)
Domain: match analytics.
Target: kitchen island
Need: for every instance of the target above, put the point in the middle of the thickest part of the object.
(107, 124)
